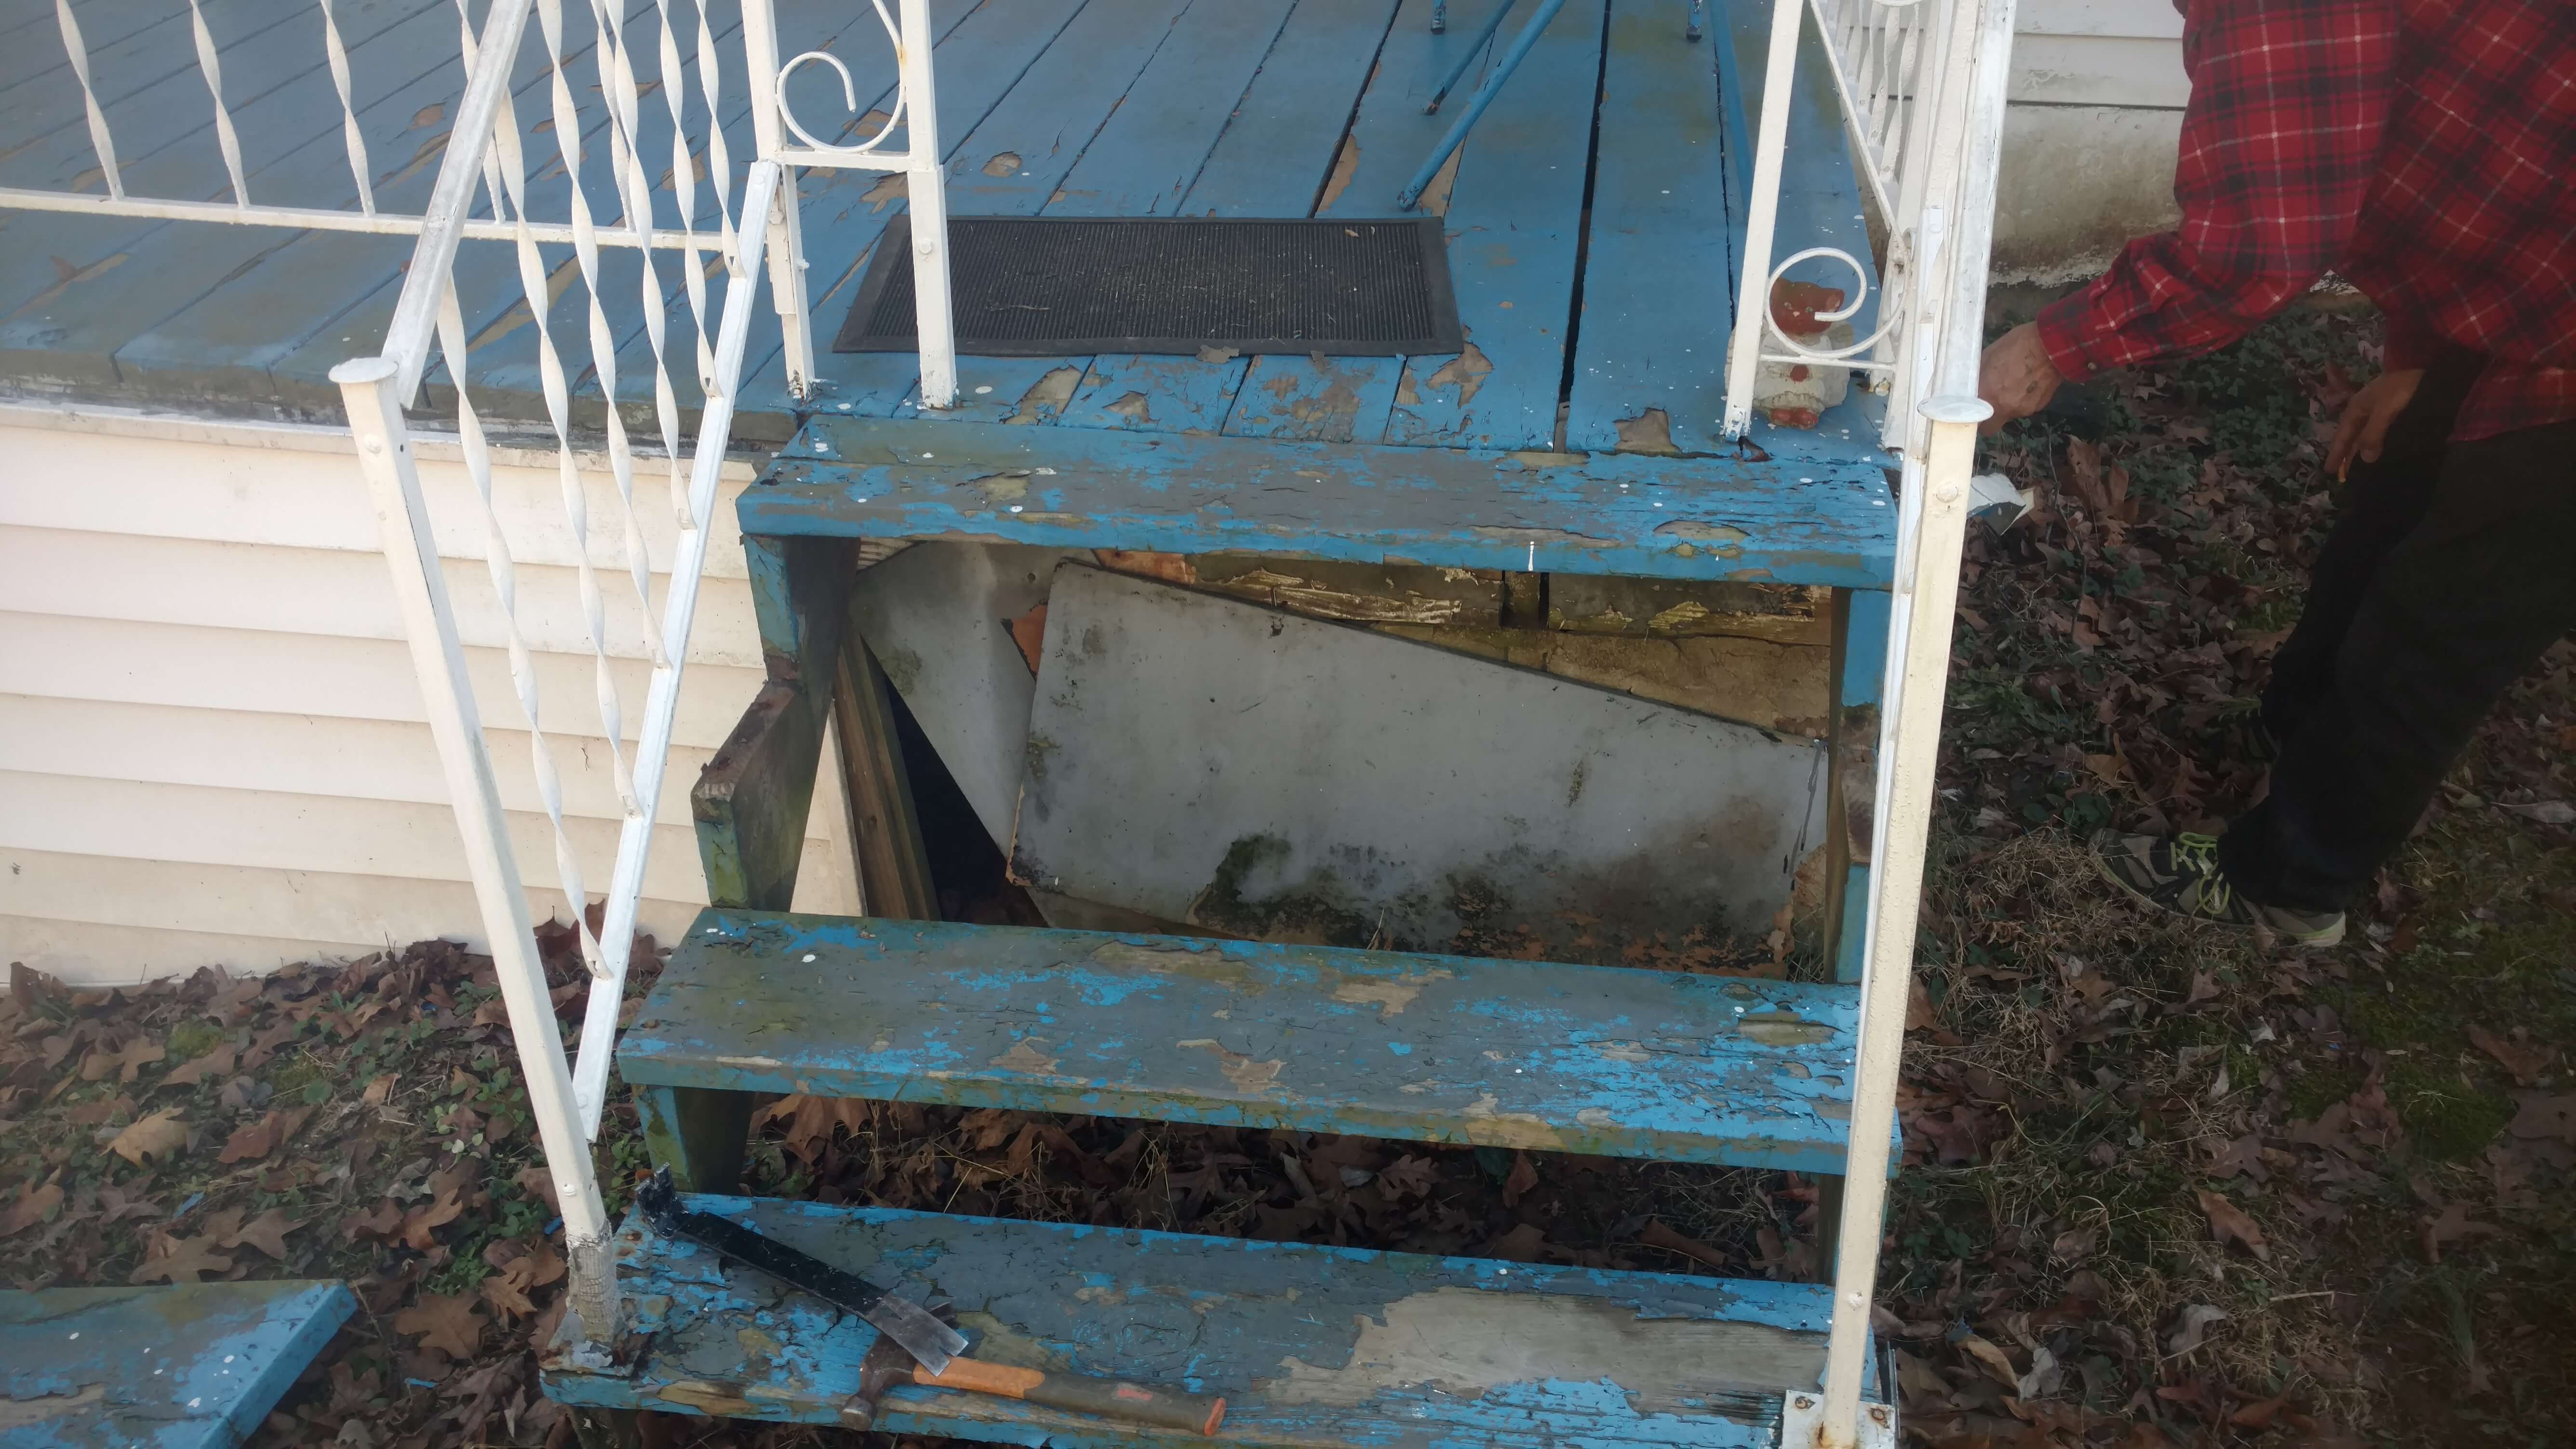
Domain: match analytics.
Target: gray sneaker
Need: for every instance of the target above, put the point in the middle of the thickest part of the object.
(2182, 875)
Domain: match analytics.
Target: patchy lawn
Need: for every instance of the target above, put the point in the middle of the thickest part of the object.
(2163, 1185)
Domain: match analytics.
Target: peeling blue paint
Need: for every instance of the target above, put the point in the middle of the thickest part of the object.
(1308, 1342)
(1608, 1060)
(188, 1366)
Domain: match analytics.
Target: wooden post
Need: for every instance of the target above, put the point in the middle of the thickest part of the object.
(885, 831)
(751, 803)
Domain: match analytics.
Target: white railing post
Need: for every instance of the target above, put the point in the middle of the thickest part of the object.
(926, 190)
(1771, 143)
(786, 231)
(372, 388)
(1955, 227)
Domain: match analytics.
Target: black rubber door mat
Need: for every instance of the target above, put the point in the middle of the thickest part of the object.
(1046, 286)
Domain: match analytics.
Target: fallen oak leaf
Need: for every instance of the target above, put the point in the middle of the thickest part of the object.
(180, 1260)
(267, 1232)
(216, 1063)
(1523, 1177)
(444, 1321)
(438, 1212)
(260, 1138)
(2525, 1062)
(124, 1062)
(384, 1222)
(36, 1202)
(1996, 1363)
(160, 1134)
(2227, 1220)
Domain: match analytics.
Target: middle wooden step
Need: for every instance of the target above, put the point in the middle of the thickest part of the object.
(1607, 1060)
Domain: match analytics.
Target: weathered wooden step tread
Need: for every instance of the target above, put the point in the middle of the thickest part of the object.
(1311, 1345)
(170, 1367)
(1818, 521)
(1596, 1059)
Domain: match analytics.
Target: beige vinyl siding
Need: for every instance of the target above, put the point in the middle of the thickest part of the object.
(2088, 152)
(212, 750)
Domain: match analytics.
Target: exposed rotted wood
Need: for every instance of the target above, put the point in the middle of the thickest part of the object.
(1676, 608)
(885, 833)
(1353, 593)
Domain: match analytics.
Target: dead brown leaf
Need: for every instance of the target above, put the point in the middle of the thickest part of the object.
(267, 1232)
(1996, 1363)
(122, 1063)
(180, 1260)
(2524, 1059)
(2228, 1221)
(212, 1065)
(1523, 1177)
(36, 1202)
(2449, 1225)
(260, 1138)
(447, 1322)
(160, 1134)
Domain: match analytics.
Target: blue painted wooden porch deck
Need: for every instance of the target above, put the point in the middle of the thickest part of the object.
(1594, 215)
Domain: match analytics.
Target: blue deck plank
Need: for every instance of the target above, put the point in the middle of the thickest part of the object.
(1271, 160)
(188, 1366)
(1155, 394)
(1388, 137)
(1513, 218)
(1278, 148)
(1701, 518)
(1658, 290)
(34, 46)
(1153, 147)
(485, 272)
(75, 288)
(1041, 104)
(1312, 1346)
(1605, 1060)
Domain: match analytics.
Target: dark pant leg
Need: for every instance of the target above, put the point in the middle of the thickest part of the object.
(2465, 601)
(2380, 504)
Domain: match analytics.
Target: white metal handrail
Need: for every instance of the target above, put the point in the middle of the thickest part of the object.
(484, 191)
(1935, 333)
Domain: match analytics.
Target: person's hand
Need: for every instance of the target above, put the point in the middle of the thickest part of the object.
(2016, 377)
(2364, 428)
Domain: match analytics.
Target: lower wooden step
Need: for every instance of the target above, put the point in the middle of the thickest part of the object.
(1606, 1060)
(175, 1367)
(1310, 1345)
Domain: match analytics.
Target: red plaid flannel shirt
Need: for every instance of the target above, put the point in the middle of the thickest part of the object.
(2424, 149)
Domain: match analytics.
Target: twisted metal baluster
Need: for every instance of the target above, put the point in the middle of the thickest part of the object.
(502, 568)
(349, 133)
(684, 188)
(228, 142)
(100, 140)
(617, 87)
(720, 177)
(533, 285)
(504, 140)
